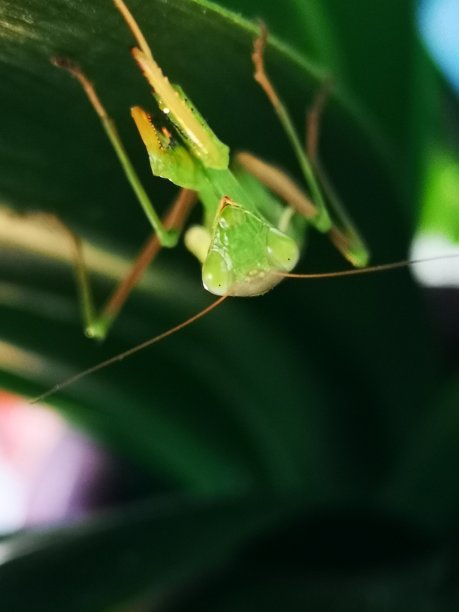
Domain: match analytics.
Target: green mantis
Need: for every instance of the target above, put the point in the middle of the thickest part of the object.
(254, 215)
(245, 241)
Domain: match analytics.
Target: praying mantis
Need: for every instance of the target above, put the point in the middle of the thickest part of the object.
(254, 215)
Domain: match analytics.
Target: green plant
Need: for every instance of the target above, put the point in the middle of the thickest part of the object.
(312, 416)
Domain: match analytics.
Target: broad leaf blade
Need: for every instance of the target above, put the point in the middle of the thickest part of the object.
(268, 389)
(152, 549)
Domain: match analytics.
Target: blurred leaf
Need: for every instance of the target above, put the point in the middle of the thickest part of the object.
(354, 559)
(424, 486)
(305, 27)
(436, 165)
(150, 549)
(263, 391)
(357, 44)
(441, 185)
(316, 387)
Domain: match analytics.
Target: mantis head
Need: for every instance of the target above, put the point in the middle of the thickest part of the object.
(246, 254)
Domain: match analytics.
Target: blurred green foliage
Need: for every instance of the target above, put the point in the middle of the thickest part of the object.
(298, 434)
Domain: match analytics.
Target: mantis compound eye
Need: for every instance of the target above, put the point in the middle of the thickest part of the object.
(216, 276)
(282, 250)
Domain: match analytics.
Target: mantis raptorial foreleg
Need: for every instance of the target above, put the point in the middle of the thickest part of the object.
(341, 230)
(166, 237)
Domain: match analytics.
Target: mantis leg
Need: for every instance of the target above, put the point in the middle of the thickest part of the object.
(313, 121)
(341, 231)
(167, 238)
(321, 220)
(277, 181)
(97, 325)
(344, 234)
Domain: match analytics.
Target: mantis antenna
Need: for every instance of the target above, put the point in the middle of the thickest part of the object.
(369, 269)
(202, 313)
(135, 349)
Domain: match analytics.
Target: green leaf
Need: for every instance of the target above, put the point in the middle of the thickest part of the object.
(352, 559)
(149, 549)
(260, 394)
(358, 46)
(424, 485)
(314, 387)
(437, 174)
